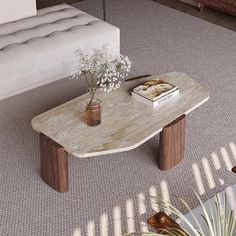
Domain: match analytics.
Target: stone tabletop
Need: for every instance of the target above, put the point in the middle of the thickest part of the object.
(126, 122)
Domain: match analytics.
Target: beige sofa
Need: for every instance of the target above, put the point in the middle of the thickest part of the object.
(40, 49)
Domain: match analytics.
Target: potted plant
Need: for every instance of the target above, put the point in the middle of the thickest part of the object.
(218, 221)
(102, 71)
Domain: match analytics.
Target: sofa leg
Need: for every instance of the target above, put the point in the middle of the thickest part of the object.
(201, 6)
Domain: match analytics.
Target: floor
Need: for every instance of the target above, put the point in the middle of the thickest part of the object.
(208, 14)
(111, 195)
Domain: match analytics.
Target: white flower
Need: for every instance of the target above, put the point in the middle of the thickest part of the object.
(101, 69)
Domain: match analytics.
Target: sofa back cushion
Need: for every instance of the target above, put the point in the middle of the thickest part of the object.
(13, 10)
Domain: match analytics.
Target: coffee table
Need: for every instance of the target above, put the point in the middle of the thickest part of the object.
(126, 124)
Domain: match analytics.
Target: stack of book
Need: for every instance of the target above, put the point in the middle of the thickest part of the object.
(155, 92)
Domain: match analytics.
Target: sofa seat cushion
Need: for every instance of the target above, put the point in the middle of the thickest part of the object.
(40, 49)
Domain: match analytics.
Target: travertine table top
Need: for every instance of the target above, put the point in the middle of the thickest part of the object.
(126, 122)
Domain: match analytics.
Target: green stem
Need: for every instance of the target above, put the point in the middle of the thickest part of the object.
(87, 79)
(93, 96)
(93, 77)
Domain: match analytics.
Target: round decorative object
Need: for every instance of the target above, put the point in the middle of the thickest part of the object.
(162, 219)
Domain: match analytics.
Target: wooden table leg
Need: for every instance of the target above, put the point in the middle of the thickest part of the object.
(54, 164)
(172, 143)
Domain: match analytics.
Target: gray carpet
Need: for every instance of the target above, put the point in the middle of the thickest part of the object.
(110, 195)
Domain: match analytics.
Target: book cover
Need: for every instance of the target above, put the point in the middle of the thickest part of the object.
(154, 89)
(157, 102)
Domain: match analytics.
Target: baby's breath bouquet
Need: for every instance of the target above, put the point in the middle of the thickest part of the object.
(100, 69)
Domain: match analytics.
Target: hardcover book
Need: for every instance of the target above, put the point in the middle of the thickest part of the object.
(155, 91)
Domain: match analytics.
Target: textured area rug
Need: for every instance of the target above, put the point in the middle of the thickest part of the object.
(110, 195)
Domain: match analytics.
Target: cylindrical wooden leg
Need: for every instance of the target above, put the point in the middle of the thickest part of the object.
(54, 164)
(172, 143)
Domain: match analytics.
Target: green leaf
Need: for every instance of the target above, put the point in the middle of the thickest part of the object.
(213, 219)
(206, 215)
(231, 223)
(174, 210)
(218, 222)
(192, 214)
